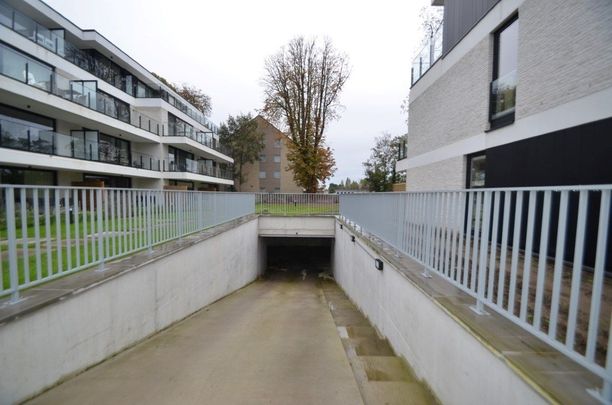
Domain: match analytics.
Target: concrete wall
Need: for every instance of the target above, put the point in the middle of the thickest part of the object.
(456, 366)
(304, 227)
(41, 348)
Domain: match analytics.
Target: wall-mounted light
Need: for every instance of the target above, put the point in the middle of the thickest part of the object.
(378, 264)
(341, 227)
(352, 238)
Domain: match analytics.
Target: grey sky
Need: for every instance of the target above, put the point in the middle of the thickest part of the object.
(220, 46)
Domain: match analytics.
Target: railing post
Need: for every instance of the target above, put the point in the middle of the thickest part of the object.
(482, 266)
(101, 252)
(12, 244)
(149, 225)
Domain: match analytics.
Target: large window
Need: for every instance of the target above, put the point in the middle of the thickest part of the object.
(26, 131)
(503, 86)
(17, 175)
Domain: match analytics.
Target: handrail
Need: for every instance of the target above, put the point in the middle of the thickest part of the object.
(539, 256)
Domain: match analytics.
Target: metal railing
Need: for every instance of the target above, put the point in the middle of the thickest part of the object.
(197, 167)
(428, 55)
(48, 232)
(296, 204)
(537, 256)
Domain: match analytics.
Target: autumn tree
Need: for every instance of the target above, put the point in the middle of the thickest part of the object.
(380, 166)
(244, 140)
(191, 94)
(302, 86)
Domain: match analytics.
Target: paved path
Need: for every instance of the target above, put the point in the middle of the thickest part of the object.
(273, 342)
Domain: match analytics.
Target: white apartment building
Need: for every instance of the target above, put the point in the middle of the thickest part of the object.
(512, 93)
(76, 110)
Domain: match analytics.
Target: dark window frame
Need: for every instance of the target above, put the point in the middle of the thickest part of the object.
(468, 171)
(509, 118)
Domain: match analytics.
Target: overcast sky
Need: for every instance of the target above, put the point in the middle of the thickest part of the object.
(221, 45)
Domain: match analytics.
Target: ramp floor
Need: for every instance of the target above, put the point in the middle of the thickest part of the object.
(275, 341)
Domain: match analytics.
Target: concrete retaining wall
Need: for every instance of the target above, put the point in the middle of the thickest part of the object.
(63, 338)
(457, 367)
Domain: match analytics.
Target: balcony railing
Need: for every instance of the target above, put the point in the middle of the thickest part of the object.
(83, 92)
(197, 167)
(204, 138)
(49, 232)
(429, 54)
(537, 256)
(20, 136)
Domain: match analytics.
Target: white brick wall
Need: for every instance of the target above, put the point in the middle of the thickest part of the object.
(455, 106)
(565, 52)
(444, 175)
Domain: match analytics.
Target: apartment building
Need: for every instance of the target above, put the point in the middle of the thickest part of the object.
(270, 174)
(512, 93)
(76, 110)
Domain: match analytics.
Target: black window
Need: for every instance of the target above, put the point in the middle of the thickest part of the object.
(17, 175)
(503, 86)
(476, 170)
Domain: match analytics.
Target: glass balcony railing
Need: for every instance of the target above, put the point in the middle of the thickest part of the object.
(202, 167)
(429, 54)
(503, 97)
(54, 41)
(203, 138)
(20, 67)
(18, 135)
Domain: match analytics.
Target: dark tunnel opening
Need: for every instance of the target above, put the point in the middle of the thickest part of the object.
(298, 258)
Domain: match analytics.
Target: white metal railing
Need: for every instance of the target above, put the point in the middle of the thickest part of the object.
(296, 204)
(48, 232)
(534, 255)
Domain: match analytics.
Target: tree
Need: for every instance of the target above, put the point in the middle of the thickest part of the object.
(191, 94)
(302, 87)
(244, 140)
(196, 98)
(380, 166)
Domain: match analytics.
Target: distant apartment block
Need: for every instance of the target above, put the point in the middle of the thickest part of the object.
(76, 110)
(512, 93)
(270, 174)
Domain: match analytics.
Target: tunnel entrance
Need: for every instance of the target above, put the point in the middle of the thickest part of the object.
(298, 258)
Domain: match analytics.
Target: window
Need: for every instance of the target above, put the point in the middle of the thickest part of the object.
(262, 175)
(277, 175)
(15, 175)
(276, 158)
(477, 171)
(503, 86)
(262, 157)
(277, 143)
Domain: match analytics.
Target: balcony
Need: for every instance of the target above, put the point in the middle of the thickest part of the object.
(203, 138)
(429, 54)
(19, 136)
(197, 167)
(22, 68)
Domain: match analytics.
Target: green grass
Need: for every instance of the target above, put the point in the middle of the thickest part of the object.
(296, 209)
